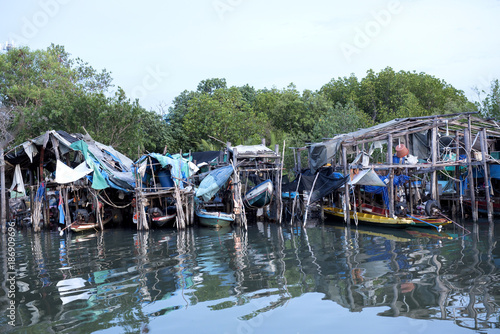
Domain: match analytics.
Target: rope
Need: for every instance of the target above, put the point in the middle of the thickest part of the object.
(110, 203)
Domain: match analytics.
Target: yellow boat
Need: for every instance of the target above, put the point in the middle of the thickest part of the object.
(372, 219)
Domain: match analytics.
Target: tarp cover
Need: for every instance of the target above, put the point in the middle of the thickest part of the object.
(66, 174)
(208, 156)
(211, 184)
(252, 149)
(321, 153)
(367, 177)
(326, 183)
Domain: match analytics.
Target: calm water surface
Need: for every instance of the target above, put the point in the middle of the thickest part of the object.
(268, 279)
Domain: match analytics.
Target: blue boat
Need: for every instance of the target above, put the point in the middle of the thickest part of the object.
(214, 219)
(260, 195)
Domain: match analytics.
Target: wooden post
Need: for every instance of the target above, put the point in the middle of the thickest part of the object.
(458, 183)
(295, 159)
(181, 218)
(277, 183)
(192, 208)
(487, 180)
(299, 161)
(309, 198)
(434, 153)
(346, 186)
(391, 175)
(470, 176)
(238, 207)
(295, 198)
(66, 207)
(410, 192)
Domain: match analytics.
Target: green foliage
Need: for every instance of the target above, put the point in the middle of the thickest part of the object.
(340, 119)
(209, 86)
(48, 89)
(224, 115)
(388, 94)
(490, 106)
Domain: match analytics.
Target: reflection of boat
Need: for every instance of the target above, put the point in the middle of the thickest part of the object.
(371, 218)
(398, 235)
(428, 234)
(214, 219)
(260, 195)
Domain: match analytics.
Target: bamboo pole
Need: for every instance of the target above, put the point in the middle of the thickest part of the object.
(391, 175)
(470, 176)
(309, 199)
(346, 186)
(295, 198)
(434, 153)
(66, 207)
(458, 188)
(487, 180)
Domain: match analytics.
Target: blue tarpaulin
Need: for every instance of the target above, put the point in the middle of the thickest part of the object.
(213, 182)
(398, 180)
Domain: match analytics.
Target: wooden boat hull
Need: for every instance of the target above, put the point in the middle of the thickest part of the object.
(372, 219)
(422, 221)
(482, 207)
(81, 226)
(260, 195)
(167, 220)
(214, 219)
(419, 220)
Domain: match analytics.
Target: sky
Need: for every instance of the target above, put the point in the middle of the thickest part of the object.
(156, 49)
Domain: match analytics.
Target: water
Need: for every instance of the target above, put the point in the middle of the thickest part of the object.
(268, 279)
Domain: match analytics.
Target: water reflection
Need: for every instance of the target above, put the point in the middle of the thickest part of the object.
(125, 280)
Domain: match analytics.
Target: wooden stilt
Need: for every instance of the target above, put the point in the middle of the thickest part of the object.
(487, 180)
(391, 176)
(434, 154)
(346, 186)
(470, 176)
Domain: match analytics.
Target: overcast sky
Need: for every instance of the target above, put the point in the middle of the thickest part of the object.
(156, 49)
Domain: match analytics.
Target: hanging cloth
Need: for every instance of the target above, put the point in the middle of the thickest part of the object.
(18, 182)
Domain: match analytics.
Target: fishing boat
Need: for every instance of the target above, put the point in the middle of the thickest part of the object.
(85, 222)
(482, 206)
(371, 218)
(214, 219)
(164, 220)
(418, 219)
(160, 219)
(260, 195)
(79, 226)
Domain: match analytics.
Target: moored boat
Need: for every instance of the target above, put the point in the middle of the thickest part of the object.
(260, 195)
(214, 219)
(418, 220)
(84, 222)
(371, 218)
(160, 219)
(164, 220)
